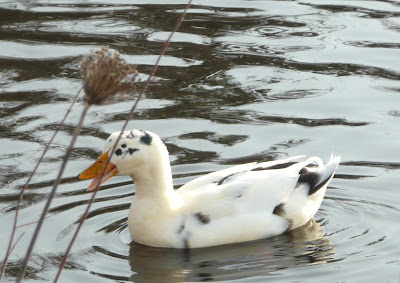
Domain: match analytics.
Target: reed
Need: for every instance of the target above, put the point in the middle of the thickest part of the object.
(106, 78)
(129, 117)
(11, 243)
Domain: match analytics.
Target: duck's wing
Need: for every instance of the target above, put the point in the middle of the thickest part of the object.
(219, 177)
(264, 198)
(244, 188)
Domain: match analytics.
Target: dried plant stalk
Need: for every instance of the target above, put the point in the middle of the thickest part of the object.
(51, 195)
(105, 79)
(21, 194)
(85, 214)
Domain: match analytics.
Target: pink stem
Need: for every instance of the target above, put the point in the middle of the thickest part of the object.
(85, 214)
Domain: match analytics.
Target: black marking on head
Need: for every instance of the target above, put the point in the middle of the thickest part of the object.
(202, 217)
(146, 139)
(131, 150)
(123, 145)
(118, 152)
(278, 210)
(131, 135)
(276, 166)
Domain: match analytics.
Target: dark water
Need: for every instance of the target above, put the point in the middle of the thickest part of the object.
(242, 81)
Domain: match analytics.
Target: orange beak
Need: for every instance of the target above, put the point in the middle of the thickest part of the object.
(97, 169)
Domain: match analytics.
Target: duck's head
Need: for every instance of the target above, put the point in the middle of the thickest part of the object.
(135, 151)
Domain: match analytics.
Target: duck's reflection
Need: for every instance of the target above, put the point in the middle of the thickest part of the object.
(303, 246)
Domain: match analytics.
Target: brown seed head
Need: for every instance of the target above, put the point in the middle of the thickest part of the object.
(107, 77)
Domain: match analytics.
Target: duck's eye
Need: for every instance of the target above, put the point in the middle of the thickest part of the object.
(123, 145)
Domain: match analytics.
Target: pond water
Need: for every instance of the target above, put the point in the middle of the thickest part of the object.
(241, 81)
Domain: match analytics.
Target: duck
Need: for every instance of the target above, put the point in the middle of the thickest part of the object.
(242, 203)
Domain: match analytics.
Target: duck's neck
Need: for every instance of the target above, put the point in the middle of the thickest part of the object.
(154, 181)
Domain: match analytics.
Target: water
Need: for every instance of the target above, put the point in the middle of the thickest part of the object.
(242, 81)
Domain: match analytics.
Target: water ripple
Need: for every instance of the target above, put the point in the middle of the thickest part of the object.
(242, 81)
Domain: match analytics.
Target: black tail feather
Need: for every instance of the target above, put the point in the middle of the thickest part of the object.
(313, 180)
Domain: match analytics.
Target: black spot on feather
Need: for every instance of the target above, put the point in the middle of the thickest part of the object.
(185, 239)
(146, 139)
(277, 166)
(202, 217)
(220, 182)
(186, 243)
(319, 186)
(303, 170)
(180, 230)
(182, 226)
(123, 145)
(118, 152)
(240, 192)
(131, 150)
(312, 179)
(278, 210)
(259, 169)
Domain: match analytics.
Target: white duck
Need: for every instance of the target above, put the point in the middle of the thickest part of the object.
(241, 203)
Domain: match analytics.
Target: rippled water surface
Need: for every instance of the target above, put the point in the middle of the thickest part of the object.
(241, 81)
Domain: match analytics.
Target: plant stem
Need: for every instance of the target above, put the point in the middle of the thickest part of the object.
(21, 194)
(85, 214)
(51, 195)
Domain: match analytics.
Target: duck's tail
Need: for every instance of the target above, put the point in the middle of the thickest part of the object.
(318, 177)
(304, 201)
